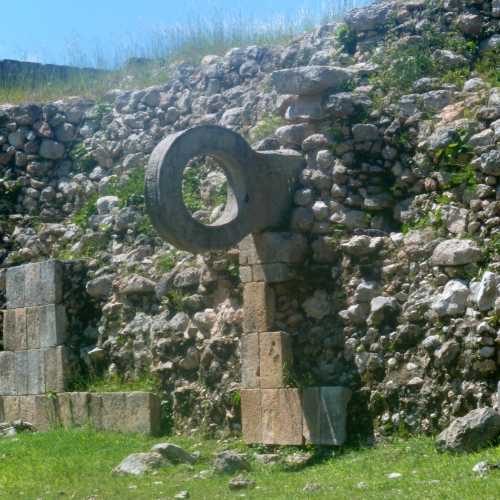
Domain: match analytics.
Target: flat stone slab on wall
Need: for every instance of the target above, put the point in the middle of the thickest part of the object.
(117, 411)
(290, 416)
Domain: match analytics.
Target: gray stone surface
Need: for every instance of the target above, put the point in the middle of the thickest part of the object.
(138, 464)
(309, 80)
(174, 453)
(470, 433)
(7, 373)
(456, 253)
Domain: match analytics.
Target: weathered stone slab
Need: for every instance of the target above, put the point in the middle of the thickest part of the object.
(36, 372)
(43, 283)
(259, 308)
(14, 285)
(251, 415)
(14, 330)
(281, 416)
(34, 284)
(95, 410)
(73, 408)
(55, 369)
(333, 414)
(7, 373)
(250, 361)
(10, 406)
(144, 413)
(272, 273)
(311, 415)
(114, 410)
(276, 359)
(22, 372)
(273, 247)
(46, 326)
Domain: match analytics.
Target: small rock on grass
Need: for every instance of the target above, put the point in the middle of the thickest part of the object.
(297, 460)
(138, 464)
(311, 487)
(182, 494)
(175, 453)
(230, 462)
(482, 468)
(241, 483)
(267, 458)
(394, 475)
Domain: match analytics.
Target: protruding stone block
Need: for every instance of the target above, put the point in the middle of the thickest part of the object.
(7, 374)
(272, 273)
(259, 308)
(35, 284)
(251, 415)
(56, 368)
(250, 361)
(14, 286)
(14, 330)
(273, 247)
(144, 413)
(276, 359)
(46, 326)
(325, 414)
(282, 416)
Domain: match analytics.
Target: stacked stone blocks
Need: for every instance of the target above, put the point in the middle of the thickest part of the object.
(272, 411)
(34, 367)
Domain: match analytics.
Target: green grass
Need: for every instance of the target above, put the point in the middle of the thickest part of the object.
(78, 463)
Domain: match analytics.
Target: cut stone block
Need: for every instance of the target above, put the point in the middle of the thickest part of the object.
(144, 413)
(36, 372)
(251, 415)
(22, 372)
(34, 284)
(95, 410)
(114, 410)
(38, 410)
(14, 330)
(7, 374)
(272, 273)
(246, 275)
(56, 369)
(10, 405)
(333, 414)
(250, 361)
(272, 247)
(276, 359)
(282, 416)
(14, 286)
(259, 307)
(46, 326)
(73, 408)
(311, 415)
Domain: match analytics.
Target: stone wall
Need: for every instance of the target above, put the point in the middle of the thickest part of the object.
(395, 293)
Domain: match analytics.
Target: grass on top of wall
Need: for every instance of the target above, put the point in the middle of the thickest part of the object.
(138, 63)
(78, 464)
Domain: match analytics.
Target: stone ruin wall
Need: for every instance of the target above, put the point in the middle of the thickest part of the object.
(395, 282)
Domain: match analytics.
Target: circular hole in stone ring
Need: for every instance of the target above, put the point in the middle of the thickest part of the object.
(170, 211)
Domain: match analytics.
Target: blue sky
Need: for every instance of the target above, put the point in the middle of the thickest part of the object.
(60, 31)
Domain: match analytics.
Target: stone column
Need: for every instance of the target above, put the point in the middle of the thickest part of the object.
(274, 412)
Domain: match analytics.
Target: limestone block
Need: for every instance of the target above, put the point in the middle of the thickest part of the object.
(22, 372)
(273, 247)
(2, 411)
(281, 416)
(114, 410)
(55, 369)
(272, 273)
(38, 410)
(46, 326)
(311, 415)
(34, 284)
(144, 413)
(275, 352)
(73, 408)
(325, 414)
(246, 275)
(36, 372)
(7, 374)
(251, 415)
(259, 308)
(14, 286)
(14, 330)
(250, 361)
(10, 409)
(95, 407)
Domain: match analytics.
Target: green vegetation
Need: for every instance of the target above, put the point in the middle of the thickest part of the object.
(82, 158)
(266, 127)
(488, 67)
(78, 464)
(166, 262)
(347, 39)
(116, 383)
(432, 219)
(8, 195)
